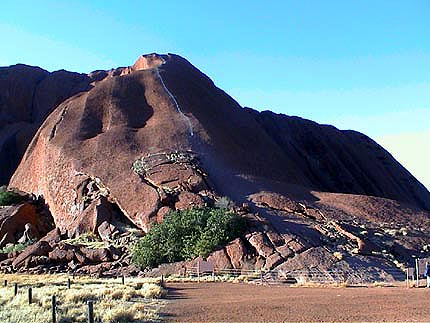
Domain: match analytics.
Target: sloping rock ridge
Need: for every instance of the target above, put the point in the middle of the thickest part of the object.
(138, 141)
(27, 96)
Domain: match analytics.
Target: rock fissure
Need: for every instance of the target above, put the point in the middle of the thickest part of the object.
(92, 189)
(57, 123)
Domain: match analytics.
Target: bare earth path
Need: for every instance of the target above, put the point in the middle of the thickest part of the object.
(226, 302)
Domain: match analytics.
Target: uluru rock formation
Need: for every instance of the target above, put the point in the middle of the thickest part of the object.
(138, 141)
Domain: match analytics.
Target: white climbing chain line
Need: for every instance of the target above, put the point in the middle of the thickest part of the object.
(174, 100)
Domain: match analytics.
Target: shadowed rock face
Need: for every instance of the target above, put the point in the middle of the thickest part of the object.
(27, 95)
(342, 161)
(162, 106)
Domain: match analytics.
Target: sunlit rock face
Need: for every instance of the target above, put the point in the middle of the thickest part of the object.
(149, 61)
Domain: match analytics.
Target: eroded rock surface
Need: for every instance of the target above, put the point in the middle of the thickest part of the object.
(21, 219)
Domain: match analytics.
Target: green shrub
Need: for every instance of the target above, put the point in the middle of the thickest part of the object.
(187, 234)
(9, 198)
(14, 247)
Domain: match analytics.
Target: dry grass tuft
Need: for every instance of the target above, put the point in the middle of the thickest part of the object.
(119, 316)
(338, 255)
(137, 301)
(150, 290)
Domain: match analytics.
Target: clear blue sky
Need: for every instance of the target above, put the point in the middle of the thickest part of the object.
(361, 65)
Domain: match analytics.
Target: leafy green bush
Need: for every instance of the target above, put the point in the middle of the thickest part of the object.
(187, 234)
(14, 247)
(9, 198)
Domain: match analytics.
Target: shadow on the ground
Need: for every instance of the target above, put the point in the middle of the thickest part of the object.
(174, 293)
(165, 316)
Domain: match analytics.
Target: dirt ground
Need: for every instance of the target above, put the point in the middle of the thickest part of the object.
(226, 302)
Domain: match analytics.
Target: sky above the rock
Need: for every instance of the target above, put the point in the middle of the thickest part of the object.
(362, 65)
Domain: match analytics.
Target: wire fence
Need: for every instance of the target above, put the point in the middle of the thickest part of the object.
(304, 276)
(55, 299)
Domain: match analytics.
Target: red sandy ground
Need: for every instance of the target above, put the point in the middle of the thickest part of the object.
(226, 302)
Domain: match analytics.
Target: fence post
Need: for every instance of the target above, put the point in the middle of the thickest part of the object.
(123, 280)
(15, 289)
(418, 273)
(53, 309)
(407, 277)
(5, 283)
(29, 295)
(68, 283)
(90, 312)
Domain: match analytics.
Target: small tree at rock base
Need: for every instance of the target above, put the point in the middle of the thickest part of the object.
(187, 234)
